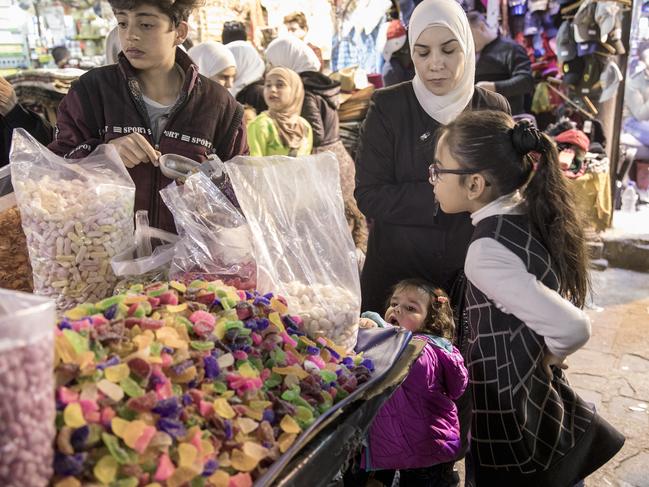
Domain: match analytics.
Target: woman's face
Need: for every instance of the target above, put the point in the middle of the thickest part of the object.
(277, 93)
(439, 60)
(226, 77)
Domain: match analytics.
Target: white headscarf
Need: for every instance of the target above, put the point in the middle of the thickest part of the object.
(211, 58)
(250, 65)
(292, 53)
(446, 13)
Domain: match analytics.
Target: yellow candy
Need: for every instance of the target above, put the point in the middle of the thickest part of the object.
(256, 415)
(106, 469)
(76, 313)
(154, 484)
(248, 371)
(223, 408)
(73, 416)
(219, 479)
(292, 370)
(227, 395)
(178, 286)
(168, 336)
(117, 373)
(260, 405)
(135, 299)
(243, 462)
(219, 328)
(113, 391)
(133, 432)
(207, 449)
(278, 306)
(186, 377)
(255, 450)
(187, 454)
(285, 441)
(308, 342)
(68, 482)
(182, 476)
(275, 319)
(119, 426)
(289, 425)
(144, 340)
(247, 425)
(177, 308)
(64, 351)
(339, 350)
(224, 460)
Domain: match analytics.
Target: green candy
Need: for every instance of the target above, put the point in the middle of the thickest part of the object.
(156, 349)
(221, 293)
(139, 312)
(128, 482)
(278, 356)
(126, 413)
(104, 304)
(198, 482)
(201, 346)
(229, 325)
(131, 388)
(303, 414)
(136, 289)
(79, 342)
(219, 387)
(177, 389)
(121, 454)
(273, 381)
(328, 376)
(291, 394)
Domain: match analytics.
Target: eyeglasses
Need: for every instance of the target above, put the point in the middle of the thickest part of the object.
(434, 172)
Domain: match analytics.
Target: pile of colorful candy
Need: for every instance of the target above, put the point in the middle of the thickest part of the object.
(188, 385)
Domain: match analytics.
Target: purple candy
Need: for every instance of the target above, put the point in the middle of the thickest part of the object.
(172, 427)
(187, 399)
(211, 367)
(217, 302)
(110, 313)
(269, 416)
(79, 437)
(227, 428)
(312, 350)
(65, 325)
(155, 380)
(348, 362)
(168, 408)
(168, 350)
(69, 465)
(210, 467)
(261, 301)
(333, 353)
(182, 366)
(108, 363)
(262, 324)
(249, 295)
(368, 364)
(269, 295)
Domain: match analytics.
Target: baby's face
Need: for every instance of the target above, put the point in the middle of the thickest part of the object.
(408, 309)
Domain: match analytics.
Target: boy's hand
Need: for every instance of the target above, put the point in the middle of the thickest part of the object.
(134, 149)
(549, 359)
(8, 98)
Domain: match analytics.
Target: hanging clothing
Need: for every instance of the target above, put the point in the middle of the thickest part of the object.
(449, 14)
(212, 58)
(290, 52)
(250, 65)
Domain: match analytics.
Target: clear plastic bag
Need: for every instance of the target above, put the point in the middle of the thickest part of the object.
(149, 259)
(27, 407)
(76, 215)
(303, 245)
(215, 238)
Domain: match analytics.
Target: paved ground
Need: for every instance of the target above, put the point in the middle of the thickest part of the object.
(612, 371)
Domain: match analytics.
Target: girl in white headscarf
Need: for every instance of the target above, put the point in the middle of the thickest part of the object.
(215, 61)
(248, 86)
(409, 237)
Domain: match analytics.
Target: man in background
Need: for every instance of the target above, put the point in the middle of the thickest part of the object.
(501, 64)
(297, 25)
(233, 31)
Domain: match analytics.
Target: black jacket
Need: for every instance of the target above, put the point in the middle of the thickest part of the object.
(506, 63)
(320, 108)
(407, 238)
(253, 95)
(20, 117)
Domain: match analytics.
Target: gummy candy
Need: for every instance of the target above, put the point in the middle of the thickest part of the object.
(106, 469)
(73, 415)
(289, 425)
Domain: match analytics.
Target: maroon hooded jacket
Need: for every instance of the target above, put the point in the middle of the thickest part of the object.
(106, 103)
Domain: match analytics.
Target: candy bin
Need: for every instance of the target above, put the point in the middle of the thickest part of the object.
(27, 405)
(75, 215)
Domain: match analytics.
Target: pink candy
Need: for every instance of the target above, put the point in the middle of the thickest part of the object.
(143, 441)
(204, 316)
(165, 468)
(66, 396)
(288, 340)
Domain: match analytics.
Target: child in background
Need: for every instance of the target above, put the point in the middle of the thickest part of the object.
(417, 430)
(281, 130)
(216, 62)
(527, 280)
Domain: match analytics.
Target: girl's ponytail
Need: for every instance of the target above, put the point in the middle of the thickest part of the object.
(553, 213)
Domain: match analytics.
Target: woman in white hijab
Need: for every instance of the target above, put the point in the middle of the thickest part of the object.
(215, 61)
(248, 86)
(292, 53)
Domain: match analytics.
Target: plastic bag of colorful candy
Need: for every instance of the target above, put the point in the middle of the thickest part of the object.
(215, 238)
(302, 242)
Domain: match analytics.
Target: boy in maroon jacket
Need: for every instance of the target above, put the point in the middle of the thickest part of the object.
(152, 102)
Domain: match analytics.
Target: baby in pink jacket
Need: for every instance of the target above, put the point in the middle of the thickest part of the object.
(417, 430)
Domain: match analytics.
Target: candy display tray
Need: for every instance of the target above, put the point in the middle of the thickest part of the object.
(320, 451)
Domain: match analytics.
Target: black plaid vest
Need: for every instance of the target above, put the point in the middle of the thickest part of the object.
(522, 422)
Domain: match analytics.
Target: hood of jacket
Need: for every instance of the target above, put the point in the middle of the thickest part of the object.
(323, 86)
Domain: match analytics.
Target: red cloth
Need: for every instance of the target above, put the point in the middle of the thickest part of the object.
(574, 137)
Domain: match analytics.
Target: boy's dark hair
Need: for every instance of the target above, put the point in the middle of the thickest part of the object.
(439, 315)
(177, 10)
(515, 156)
(60, 53)
(298, 17)
(233, 30)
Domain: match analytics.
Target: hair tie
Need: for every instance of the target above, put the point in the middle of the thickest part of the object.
(442, 299)
(526, 138)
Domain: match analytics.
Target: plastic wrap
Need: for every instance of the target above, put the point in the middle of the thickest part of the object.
(148, 260)
(303, 245)
(215, 238)
(76, 215)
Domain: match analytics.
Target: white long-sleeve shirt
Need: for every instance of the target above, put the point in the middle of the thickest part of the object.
(502, 276)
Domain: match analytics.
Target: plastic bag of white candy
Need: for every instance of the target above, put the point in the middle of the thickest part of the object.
(303, 246)
(76, 215)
